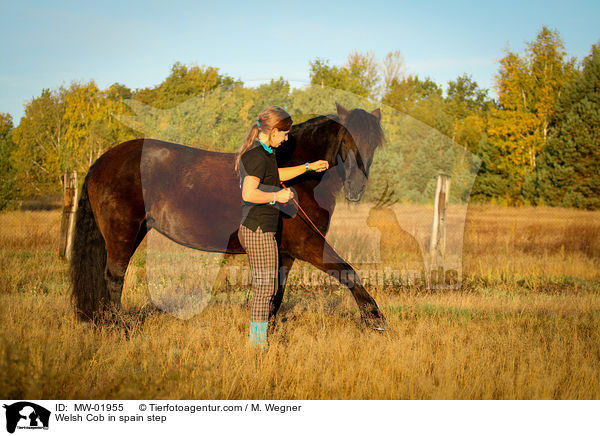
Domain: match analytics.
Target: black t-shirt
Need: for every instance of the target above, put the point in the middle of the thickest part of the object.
(258, 162)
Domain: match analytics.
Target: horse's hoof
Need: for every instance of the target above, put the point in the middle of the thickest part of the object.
(376, 324)
(384, 327)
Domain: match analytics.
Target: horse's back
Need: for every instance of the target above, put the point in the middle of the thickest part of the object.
(191, 195)
(160, 158)
(126, 154)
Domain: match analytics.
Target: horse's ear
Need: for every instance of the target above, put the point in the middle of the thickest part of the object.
(377, 114)
(341, 111)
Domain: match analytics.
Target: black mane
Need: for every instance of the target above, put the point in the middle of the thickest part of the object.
(319, 137)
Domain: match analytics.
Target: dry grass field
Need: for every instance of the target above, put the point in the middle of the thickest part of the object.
(525, 324)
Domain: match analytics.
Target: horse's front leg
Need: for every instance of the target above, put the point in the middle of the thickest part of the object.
(319, 253)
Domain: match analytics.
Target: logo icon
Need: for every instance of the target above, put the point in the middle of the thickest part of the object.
(26, 415)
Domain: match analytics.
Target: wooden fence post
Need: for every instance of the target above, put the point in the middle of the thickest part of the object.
(437, 247)
(68, 216)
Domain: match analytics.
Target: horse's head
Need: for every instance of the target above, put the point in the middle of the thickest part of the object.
(360, 134)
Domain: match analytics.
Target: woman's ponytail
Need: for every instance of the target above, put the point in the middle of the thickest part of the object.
(250, 138)
(270, 118)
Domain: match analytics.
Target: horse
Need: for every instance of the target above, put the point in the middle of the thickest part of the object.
(193, 197)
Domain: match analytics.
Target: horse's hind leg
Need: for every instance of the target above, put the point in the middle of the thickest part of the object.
(114, 274)
(119, 251)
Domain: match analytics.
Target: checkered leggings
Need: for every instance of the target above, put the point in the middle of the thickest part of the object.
(262, 253)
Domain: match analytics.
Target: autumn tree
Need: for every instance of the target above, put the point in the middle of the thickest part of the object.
(7, 171)
(66, 129)
(363, 74)
(322, 74)
(183, 83)
(528, 87)
(83, 116)
(569, 169)
(468, 105)
(393, 69)
(276, 92)
(359, 75)
(40, 148)
(408, 93)
(464, 97)
(92, 125)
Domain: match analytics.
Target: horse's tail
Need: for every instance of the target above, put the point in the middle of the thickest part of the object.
(88, 260)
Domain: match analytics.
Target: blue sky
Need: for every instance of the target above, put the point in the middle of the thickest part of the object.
(49, 43)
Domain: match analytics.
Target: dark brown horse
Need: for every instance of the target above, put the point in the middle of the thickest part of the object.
(192, 196)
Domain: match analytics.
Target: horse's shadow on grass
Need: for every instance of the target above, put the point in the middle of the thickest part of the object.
(125, 322)
(130, 321)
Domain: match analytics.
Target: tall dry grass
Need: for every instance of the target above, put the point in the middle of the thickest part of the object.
(525, 324)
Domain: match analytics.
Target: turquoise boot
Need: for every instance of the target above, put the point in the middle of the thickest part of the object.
(258, 335)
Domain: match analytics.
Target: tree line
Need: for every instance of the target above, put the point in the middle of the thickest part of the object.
(537, 143)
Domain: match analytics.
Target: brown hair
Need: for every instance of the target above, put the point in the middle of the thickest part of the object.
(269, 119)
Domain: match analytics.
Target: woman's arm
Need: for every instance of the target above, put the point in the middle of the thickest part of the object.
(291, 172)
(251, 193)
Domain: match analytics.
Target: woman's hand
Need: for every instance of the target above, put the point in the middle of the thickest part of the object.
(284, 195)
(318, 166)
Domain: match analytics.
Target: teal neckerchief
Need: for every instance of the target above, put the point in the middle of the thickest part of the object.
(266, 147)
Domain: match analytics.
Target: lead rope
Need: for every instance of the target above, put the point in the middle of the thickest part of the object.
(331, 246)
(319, 232)
(328, 243)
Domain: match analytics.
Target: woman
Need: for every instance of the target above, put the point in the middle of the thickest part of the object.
(261, 193)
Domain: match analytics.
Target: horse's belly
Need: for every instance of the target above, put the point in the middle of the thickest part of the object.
(195, 223)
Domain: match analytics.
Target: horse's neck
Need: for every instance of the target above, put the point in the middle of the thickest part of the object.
(309, 149)
(316, 139)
